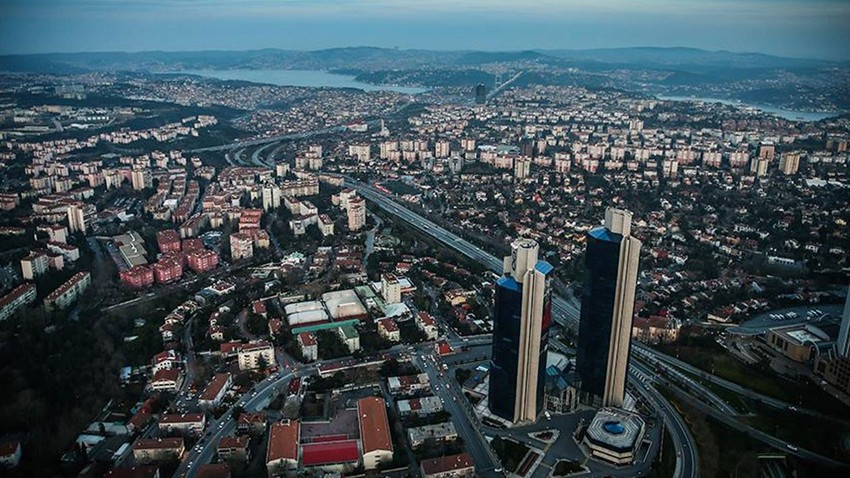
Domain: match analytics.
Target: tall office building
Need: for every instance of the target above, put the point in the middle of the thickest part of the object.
(520, 334)
(842, 345)
(480, 94)
(607, 306)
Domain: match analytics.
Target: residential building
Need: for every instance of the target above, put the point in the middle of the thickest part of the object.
(408, 384)
(257, 355)
(202, 261)
(388, 329)
(184, 424)
(158, 450)
(440, 432)
(521, 322)
(350, 337)
(168, 241)
(234, 448)
(326, 225)
(77, 218)
(376, 444)
(167, 380)
(309, 346)
(137, 276)
(241, 246)
(426, 323)
(20, 296)
(390, 288)
(356, 214)
(33, 265)
(450, 466)
(605, 326)
(215, 390)
(68, 292)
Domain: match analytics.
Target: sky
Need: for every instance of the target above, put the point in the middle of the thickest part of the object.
(794, 28)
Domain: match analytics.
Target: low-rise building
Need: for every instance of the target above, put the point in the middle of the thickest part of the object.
(350, 337)
(214, 392)
(614, 435)
(167, 380)
(388, 329)
(185, 424)
(282, 451)
(426, 323)
(234, 448)
(441, 432)
(309, 346)
(450, 466)
(158, 450)
(375, 440)
(419, 407)
(408, 384)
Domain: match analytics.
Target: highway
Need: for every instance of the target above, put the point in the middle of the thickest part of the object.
(703, 392)
(758, 434)
(687, 460)
(563, 311)
(672, 362)
(273, 139)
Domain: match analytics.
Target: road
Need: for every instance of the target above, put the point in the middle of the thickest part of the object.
(273, 139)
(702, 392)
(463, 417)
(666, 360)
(759, 435)
(687, 460)
(564, 312)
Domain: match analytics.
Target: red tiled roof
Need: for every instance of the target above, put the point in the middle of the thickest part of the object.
(328, 453)
(167, 374)
(374, 428)
(149, 471)
(158, 443)
(214, 387)
(283, 441)
(233, 442)
(169, 418)
(445, 464)
(217, 470)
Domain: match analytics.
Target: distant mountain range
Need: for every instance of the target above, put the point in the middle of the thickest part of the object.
(374, 59)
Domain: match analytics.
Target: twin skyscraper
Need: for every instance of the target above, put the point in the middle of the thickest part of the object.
(523, 314)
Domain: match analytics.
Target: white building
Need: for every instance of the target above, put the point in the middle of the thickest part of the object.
(356, 214)
(255, 354)
(390, 288)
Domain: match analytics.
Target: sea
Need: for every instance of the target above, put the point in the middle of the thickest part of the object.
(307, 78)
(792, 115)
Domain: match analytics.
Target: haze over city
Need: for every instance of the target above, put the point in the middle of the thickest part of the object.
(797, 28)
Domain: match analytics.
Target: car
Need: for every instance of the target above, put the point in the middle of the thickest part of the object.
(792, 447)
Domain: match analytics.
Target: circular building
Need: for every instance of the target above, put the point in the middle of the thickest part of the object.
(614, 436)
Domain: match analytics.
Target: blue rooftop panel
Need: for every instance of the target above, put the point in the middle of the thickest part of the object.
(509, 283)
(604, 234)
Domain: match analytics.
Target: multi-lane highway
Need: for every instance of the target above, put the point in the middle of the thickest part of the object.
(564, 312)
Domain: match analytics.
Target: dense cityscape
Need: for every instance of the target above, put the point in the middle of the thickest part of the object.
(384, 262)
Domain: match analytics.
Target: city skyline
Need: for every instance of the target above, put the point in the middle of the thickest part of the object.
(787, 28)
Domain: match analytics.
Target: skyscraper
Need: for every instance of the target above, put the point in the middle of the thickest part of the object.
(480, 94)
(607, 305)
(520, 334)
(842, 345)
